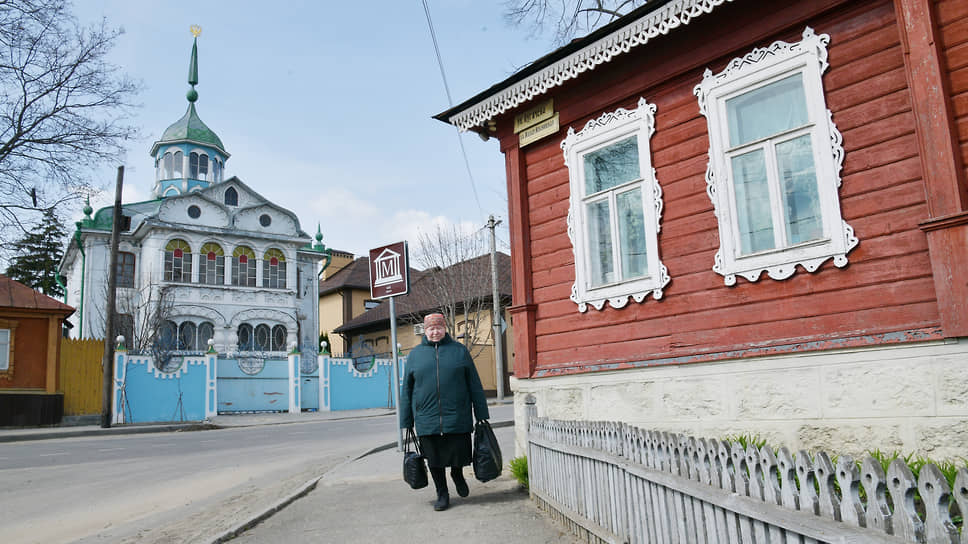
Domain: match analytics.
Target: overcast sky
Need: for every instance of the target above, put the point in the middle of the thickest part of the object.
(325, 107)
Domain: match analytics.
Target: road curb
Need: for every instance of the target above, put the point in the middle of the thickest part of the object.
(140, 429)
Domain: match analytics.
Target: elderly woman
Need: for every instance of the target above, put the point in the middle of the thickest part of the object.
(440, 385)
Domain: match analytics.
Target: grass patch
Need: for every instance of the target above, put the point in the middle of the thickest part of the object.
(519, 469)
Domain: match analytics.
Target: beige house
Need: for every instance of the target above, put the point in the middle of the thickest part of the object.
(368, 334)
(344, 293)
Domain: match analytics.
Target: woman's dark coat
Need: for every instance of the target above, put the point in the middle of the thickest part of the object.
(440, 384)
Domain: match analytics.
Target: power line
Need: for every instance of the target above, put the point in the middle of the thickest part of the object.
(450, 103)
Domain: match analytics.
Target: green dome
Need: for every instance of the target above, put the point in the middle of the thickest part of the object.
(190, 128)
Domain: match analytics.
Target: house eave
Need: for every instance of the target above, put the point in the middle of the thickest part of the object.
(654, 19)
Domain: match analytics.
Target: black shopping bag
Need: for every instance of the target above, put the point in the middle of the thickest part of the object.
(414, 464)
(487, 453)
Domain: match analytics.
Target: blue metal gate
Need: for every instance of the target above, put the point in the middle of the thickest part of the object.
(253, 384)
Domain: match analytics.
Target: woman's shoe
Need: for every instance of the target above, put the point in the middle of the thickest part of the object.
(461, 484)
(443, 501)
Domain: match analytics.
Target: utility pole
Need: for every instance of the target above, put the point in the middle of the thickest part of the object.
(496, 314)
(107, 361)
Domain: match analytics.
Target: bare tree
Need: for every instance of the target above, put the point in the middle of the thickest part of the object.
(143, 317)
(567, 19)
(63, 108)
(457, 276)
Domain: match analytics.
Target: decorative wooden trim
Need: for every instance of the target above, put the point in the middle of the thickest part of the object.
(946, 222)
(660, 22)
(934, 124)
(522, 292)
(608, 128)
(525, 346)
(10, 325)
(808, 57)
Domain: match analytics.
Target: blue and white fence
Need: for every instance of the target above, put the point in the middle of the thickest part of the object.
(205, 385)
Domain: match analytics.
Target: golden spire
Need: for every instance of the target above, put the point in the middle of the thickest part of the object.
(195, 30)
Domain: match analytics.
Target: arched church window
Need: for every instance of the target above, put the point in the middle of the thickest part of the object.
(177, 159)
(167, 339)
(211, 264)
(216, 170)
(262, 337)
(206, 331)
(243, 267)
(274, 269)
(203, 167)
(178, 261)
(231, 196)
(278, 338)
(245, 337)
(193, 165)
(168, 163)
(186, 336)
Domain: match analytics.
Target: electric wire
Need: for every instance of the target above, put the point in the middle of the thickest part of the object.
(450, 103)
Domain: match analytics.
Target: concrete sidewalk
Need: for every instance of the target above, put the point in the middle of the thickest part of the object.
(366, 500)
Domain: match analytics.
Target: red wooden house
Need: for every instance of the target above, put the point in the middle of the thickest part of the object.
(745, 216)
(30, 341)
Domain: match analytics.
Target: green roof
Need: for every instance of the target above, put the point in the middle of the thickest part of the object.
(190, 128)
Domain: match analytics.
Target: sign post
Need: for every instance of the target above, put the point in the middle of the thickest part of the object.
(389, 277)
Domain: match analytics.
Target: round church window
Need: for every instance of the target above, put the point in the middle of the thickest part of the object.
(265, 220)
(194, 211)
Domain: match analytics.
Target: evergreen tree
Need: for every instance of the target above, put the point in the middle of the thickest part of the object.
(37, 255)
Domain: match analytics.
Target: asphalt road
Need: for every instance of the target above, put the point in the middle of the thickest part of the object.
(165, 487)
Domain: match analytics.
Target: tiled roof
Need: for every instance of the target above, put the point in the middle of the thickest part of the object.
(355, 275)
(14, 294)
(421, 300)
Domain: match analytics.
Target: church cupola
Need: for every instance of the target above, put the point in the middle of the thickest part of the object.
(189, 156)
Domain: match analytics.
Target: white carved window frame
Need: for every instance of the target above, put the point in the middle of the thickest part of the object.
(742, 75)
(612, 127)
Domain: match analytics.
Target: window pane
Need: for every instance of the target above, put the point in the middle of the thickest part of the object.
(262, 338)
(178, 164)
(4, 349)
(245, 337)
(205, 332)
(278, 338)
(612, 165)
(771, 109)
(631, 231)
(193, 165)
(798, 180)
(186, 336)
(752, 202)
(599, 243)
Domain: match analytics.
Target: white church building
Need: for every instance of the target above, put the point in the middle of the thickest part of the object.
(207, 259)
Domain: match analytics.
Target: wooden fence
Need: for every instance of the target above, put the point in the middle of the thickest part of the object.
(81, 376)
(612, 482)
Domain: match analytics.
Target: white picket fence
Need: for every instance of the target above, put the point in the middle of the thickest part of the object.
(612, 482)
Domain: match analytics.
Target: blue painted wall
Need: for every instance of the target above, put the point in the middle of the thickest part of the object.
(153, 396)
(352, 390)
(266, 391)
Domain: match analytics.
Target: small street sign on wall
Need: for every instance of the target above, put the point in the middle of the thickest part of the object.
(389, 267)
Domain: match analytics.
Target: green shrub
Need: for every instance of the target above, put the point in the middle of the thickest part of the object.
(519, 469)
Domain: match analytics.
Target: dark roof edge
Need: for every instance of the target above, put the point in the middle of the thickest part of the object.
(553, 57)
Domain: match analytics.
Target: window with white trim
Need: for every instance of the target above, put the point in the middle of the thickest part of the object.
(775, 157)
(6, 349)
(615, 209)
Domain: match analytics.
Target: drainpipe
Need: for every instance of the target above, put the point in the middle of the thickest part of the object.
(60, 283)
